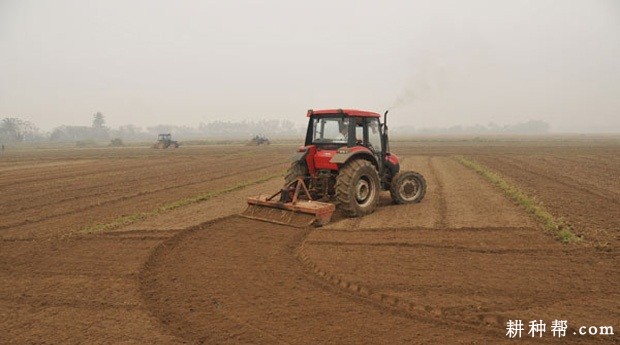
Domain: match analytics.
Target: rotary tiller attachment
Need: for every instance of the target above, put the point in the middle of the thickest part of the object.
(290, 209)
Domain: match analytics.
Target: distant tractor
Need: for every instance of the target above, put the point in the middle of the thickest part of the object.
(259, 140)
(165, 141)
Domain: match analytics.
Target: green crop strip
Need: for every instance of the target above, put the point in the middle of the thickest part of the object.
(132, 218)
(555, 227)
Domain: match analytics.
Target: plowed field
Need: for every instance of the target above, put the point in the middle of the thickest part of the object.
(452, 269)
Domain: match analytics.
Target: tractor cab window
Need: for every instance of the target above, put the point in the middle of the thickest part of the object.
(374, 135)
(330, 130)
(359, 131)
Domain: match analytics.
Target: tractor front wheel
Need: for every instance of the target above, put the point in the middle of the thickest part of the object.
(408, 187)
(357, 188)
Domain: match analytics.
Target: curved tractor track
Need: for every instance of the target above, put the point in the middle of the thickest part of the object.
(262, 293)
(452, 269)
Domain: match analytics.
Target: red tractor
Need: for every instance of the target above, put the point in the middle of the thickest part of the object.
(346, 158)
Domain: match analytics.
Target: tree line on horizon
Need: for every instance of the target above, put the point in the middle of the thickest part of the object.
(528, 127)
(13, 129)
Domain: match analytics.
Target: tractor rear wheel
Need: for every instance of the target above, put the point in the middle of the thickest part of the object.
(357, 188)
(408, 187)
(296, 169)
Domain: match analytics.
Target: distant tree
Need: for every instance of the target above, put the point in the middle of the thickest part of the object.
(13, 129)
(72, 133)
(530, 127)
(288, 126)
(98, 120)
(100, 131)
(129, 132)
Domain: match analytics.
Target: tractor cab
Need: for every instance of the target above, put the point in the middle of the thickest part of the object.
(333, 129)
(336, 135)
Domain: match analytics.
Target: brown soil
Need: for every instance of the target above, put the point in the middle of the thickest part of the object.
(262, 293)
(451, 269)
(281, 284)
(59, 199)
(74, 291)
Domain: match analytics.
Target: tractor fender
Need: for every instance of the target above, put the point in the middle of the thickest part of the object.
(305, 155)
(298, 156)
(343, 157)
(393, 164)
(302, 151)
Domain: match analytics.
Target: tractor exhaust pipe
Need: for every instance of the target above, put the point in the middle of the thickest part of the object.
(386, 141)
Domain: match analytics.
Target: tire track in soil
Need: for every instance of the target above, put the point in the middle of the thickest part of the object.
(485, 316)
(442, 219)
(425, 245)
(473, 202)
(270, 294)
(434, 230)
(440, 315)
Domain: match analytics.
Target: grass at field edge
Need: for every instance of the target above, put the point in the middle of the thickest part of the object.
(556, 227)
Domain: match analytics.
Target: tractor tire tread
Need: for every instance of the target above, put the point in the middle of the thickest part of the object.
(343, 188)
(294, 170)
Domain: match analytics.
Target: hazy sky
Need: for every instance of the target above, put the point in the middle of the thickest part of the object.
(184, 62)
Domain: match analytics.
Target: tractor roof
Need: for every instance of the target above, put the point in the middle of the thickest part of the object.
(349, 112)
